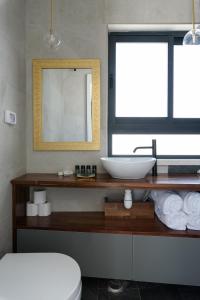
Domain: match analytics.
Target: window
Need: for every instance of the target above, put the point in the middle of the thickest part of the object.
(154, 93)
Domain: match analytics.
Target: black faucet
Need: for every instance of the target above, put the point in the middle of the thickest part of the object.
(153, 147)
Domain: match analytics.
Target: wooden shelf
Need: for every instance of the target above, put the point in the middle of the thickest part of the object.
(183, 182)
(60, 232)
(97, 222)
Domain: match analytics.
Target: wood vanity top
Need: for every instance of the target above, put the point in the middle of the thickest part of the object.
(96, 221)
(162, 181)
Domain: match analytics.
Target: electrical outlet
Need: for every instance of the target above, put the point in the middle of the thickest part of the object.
(10, 117)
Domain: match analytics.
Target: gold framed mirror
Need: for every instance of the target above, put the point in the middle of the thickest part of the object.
(66, 104)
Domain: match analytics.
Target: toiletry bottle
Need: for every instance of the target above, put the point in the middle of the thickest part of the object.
(88, 170)
(83, 170)
(128, 201)
(77, 170)
(94, 170)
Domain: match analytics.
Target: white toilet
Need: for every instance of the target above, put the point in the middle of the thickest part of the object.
(39, 276)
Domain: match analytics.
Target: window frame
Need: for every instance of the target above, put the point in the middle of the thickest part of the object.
(147, 125)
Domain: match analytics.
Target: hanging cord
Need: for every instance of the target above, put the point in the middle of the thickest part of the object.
(193, 23)
(193, 15)
(51, 18)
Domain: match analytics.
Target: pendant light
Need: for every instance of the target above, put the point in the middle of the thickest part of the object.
(192, 37)
(51, 39)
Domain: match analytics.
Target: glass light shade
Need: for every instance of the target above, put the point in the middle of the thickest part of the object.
(52, 40)
(192, 37)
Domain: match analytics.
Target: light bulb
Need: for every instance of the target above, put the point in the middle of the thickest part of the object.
(52, 40)
(192, 37)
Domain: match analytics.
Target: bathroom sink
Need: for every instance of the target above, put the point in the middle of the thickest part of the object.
(128, 167)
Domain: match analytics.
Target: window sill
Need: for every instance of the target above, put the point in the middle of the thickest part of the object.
(178, 162)
(164, 163)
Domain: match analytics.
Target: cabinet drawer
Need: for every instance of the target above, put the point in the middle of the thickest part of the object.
(98, 255)
(166, 260)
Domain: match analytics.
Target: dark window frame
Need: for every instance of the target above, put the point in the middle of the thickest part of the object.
(147, 125)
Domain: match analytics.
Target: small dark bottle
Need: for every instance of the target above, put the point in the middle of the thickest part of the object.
(94, 170)
(77, 170)
(88, 170)
(83, 170)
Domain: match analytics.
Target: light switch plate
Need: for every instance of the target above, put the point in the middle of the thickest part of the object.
(10, 117)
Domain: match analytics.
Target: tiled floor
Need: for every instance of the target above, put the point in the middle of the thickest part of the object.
(97, 289)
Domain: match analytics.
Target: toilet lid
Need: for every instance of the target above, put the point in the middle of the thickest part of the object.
(39, 276)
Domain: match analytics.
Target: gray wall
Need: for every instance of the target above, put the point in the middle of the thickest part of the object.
(12, 97)
(84, 34)
(83, 27)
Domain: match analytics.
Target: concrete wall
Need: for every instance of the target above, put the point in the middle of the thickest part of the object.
(84, 35)
(12, 97)
(83, 28)
(149, 12)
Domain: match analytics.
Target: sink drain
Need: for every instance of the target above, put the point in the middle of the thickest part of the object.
(116, 286)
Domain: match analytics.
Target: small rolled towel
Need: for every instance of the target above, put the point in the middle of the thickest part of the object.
(193, 222)
(191, 202)
(176, 221)
(168, 202)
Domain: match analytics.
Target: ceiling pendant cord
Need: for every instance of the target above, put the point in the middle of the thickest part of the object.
(51, 18)
(193, 20)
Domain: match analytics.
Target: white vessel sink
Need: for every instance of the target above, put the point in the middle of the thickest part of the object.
(128, 168)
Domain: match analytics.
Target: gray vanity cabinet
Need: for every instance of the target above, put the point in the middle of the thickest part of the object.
(120, 256)
(166, 260)
(98, 254)
(142, 251)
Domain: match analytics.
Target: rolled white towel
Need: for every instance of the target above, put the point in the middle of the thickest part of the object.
(176, 221)
(168, 202)
(193, 222)
(191, 202)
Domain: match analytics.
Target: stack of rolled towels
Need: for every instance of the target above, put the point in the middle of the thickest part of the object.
(177, 210)
(191, 207)
(39, 206)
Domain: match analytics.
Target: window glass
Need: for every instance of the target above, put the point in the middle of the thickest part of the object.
(167, 144)
(186, 82)
(141, 79)
(153, 94)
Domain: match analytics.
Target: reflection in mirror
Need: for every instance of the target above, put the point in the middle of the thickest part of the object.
(67, 105)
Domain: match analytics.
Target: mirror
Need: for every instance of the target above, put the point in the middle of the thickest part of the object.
(66, 104)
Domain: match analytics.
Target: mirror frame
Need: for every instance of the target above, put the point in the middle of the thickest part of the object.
(38, 65)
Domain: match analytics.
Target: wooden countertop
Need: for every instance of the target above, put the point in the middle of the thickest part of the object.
(96, 221)
(162, 181)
